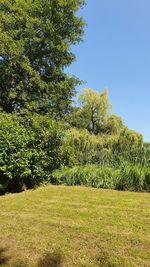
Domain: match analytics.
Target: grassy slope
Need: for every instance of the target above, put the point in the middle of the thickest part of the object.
(74, 226)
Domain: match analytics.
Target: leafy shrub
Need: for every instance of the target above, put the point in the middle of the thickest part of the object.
(46, 137)
(89, 175)
(14, 157)
(30, 149)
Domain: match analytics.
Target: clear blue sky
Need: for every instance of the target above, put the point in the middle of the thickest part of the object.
(115, 54)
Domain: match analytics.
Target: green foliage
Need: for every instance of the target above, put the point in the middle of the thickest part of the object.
(36, 37)
(144, 154)
(89, 175)
(93, 111)
(33, 146)
(87, 148)
(127, 177)
(113, 125)
(46, 137)
(132, 177)
(14, 158)
(129, 140)
(147, 181)
(29, 150)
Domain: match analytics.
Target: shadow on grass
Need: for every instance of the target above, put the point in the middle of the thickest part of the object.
(3, 259)
(54, 259)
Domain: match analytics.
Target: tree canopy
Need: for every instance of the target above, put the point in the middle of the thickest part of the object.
(36, 37)
(94, 113)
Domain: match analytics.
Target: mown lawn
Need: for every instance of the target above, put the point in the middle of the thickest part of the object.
(74, 226)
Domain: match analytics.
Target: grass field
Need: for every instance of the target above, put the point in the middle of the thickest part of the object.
(74, 226)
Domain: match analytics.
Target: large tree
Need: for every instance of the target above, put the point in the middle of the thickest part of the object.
(36, 36)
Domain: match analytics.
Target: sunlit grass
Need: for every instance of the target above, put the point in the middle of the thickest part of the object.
(74, 226)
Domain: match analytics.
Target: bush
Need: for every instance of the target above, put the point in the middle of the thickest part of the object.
(14, 157)
(89, 175)
(46, 137)
(30, 149)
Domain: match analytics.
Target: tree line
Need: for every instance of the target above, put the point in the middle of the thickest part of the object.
(41, 130)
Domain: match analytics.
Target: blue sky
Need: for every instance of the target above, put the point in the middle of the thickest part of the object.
(115, 54)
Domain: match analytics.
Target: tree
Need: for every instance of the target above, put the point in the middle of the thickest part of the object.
(114, 125)
(129, 143)
(94, 107)
(36, 37)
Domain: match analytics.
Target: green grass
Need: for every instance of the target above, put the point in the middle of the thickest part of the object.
(74, 226)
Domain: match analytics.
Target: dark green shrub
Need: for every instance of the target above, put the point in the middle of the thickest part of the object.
(14, 156)
(46, 137)
(30, 149)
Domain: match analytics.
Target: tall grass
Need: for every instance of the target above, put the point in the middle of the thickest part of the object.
(89, 175)
(127, 177)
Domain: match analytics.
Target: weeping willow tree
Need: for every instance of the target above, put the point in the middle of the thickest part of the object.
(96, 106)
(87, 148)
(94, 113)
